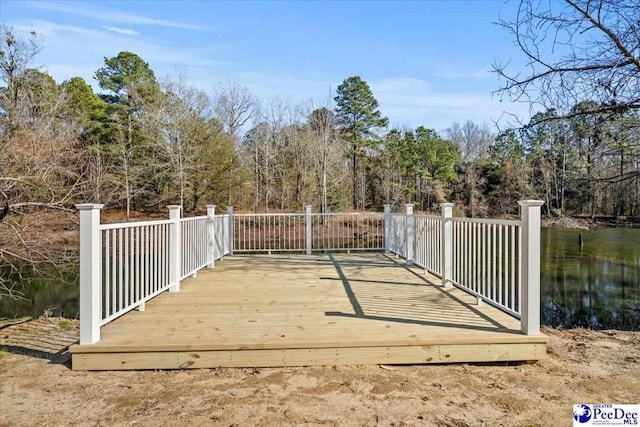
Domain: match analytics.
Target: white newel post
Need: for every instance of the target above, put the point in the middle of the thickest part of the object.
(411, 233)
(447, 244)
(530, 266)
(387, 228)
(90, 273)
(211, 237)
(175, 250)
(230, 213)
(307, 227)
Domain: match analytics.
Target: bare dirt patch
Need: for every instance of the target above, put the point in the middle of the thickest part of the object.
(37, 387)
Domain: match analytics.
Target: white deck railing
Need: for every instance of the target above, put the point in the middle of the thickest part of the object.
(308, 232)
(485, 260)
(124, 265)
(269, 233)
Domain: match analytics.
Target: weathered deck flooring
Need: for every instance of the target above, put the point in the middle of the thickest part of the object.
(288, 310)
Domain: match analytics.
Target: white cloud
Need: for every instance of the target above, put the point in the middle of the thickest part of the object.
(419, 103)
(106, 15)
(71, 50)
(408, 101)
(123, 31)
(447, 71)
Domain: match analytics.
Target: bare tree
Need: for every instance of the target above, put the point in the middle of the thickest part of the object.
(15, 56)
(576, 50)
(177, 123)
(472, 139)
(234, 106)
(326, 148)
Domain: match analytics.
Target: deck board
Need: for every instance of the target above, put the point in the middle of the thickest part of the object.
(280, 310)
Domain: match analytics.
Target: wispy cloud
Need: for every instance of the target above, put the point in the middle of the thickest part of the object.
(420, 103)
(449, 72)
(109, 15)
(123, 31)
(72, 50)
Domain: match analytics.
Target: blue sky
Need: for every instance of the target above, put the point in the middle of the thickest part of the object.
(428, 63)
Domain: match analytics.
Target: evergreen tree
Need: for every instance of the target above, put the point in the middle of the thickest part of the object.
(358, 117)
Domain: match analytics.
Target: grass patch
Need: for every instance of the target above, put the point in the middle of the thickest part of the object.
(65, 325)
(3, 354)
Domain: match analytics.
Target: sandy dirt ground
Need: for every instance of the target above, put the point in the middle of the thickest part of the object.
(37, 387)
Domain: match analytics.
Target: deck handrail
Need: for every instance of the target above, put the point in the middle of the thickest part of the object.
(497, 261)
(124, 265)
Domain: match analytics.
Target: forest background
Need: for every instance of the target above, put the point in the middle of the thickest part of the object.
(140, 142)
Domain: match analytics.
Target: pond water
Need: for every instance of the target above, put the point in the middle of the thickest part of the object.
(594, 285)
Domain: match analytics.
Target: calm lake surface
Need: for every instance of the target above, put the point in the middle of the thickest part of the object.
(595, 285)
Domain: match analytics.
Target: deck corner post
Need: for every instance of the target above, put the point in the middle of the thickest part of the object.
(175, 250)
(90, 273)
(447, 244)
(308, 231)
(530, 266)
(231, 237)
(410, 234)
(387, 228)
(211, 238)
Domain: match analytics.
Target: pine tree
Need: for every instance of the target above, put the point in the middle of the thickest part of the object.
(358, 117)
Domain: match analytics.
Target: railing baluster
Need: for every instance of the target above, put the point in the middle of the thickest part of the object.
(107, 279)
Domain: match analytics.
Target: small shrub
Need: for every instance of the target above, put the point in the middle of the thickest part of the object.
(65, 325)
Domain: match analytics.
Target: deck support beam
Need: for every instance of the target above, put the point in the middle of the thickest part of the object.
(175, 253)
(447, 244)
(90, 273)
(410, 236)
(230, 213)
(387, 228)
(307, 227)
(211, 237)
(530, 266)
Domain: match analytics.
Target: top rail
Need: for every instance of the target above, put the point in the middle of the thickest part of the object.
(122, 225)
(487, 221)
(193, 218)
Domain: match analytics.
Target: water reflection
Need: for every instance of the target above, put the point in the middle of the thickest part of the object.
(595, 285)
(54, 292)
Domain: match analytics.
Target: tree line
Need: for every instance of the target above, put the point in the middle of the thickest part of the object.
(141, 143)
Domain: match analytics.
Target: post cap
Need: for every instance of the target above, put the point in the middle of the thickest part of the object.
(447, 205)
(534, 203)
(210, 206)
(89, 206)
(174, 207)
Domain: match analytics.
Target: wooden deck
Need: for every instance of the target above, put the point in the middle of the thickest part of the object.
(297, 310)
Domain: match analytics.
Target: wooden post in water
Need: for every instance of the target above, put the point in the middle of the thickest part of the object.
(90, 273)
(447, 244)
(530, 266)
(175, 252)
(211, 237)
